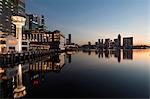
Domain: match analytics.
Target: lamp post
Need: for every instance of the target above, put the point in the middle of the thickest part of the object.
(19, 21)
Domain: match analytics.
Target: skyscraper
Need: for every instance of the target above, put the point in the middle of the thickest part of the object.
(7, 9)
(128, 42)
(5, 15)
(69, 36)
(19, 7)
(35, 22)
(119, 40)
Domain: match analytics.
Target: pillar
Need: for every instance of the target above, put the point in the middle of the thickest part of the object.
(19, 22)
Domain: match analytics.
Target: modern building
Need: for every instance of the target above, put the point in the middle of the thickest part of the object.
(18, 7)
(5, 15)
(7, 9)
(57, 41)
(107, 43)
(119, 40)
(128, 42)
(116, 43)
(69, 37)
(35, 22)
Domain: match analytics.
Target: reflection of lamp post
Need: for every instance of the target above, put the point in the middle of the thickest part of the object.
(19, 22)
(19, 91)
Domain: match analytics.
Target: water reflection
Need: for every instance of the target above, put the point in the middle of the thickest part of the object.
(117, 53)
(50, 76)
(54, 63)
(20, 90)
(33, 75)
(69, 58)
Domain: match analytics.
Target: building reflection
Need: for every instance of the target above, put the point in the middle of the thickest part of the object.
(32, 74)
(11, 82)
(69, 58)
(128, 54)
(101, 53)
(38, 70)
(54, 63)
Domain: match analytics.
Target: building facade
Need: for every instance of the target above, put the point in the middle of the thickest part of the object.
(7, 9)
(37, 39)
(128, 42)
(57, 40)
(35, 22)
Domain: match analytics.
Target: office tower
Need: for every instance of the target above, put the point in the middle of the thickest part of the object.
(107, 43)
(102, 41)
(99, 41)
(128, 42)
(89, 43)
(18, 7)
(7, 9)
(35, 22)
(69, 36)
(119, 40)
(5, 16)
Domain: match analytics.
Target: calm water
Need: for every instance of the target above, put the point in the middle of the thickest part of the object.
(108, 74)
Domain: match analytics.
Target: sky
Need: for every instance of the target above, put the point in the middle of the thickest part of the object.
(90, 20)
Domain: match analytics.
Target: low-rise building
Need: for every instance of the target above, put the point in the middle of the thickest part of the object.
(57, 40)
(37, 39)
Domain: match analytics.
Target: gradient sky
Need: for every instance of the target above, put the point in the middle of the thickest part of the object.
(88, 20)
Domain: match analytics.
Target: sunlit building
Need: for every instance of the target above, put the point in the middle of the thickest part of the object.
(37, 39)
(57, 40)
(128, 42)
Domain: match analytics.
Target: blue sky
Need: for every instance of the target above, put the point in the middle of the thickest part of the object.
(88, 20)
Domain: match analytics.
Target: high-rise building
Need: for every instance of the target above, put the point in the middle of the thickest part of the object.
(35, 22)
(99, 41)
(18, 7)
(119, 40)
(7, 9)
(107, 43)
(69, 37)
(5, 15)
(128, 42)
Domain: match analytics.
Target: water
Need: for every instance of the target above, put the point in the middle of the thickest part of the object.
(109, 74)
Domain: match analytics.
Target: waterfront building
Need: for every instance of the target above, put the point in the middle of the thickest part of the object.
(112, 45)
(119, 40)
(18, 7)
(5, 15)
(67, 41)
(57, 40)
(127, 42)
(37, 39)
(8, 43)
(35, 22)
(7, 9)
(107, 43)
(69, 37)
(116, 43)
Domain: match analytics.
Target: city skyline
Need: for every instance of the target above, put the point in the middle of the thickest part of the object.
(90, 20)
